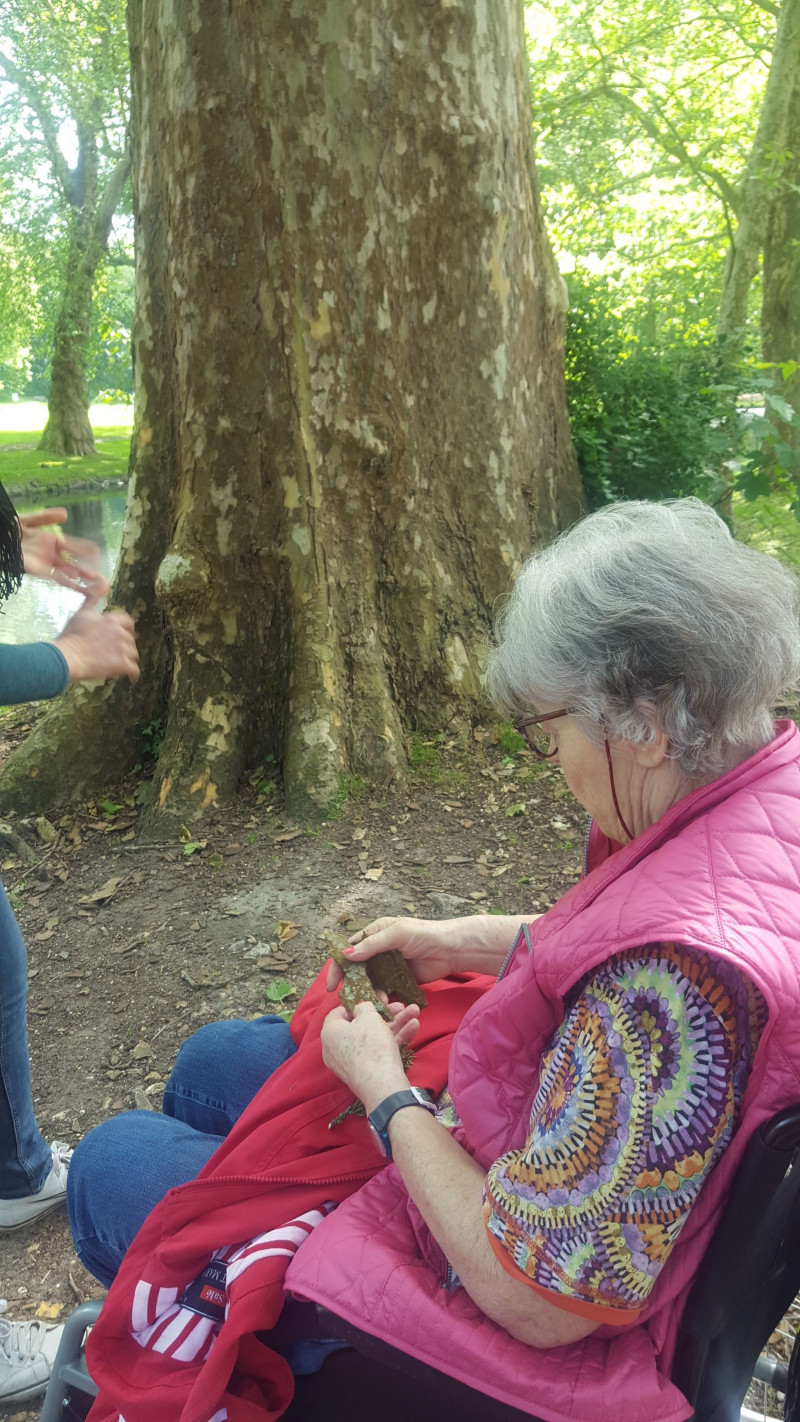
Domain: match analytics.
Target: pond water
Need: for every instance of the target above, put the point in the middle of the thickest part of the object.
(38, 612)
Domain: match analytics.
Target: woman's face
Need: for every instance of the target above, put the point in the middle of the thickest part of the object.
(585, 769)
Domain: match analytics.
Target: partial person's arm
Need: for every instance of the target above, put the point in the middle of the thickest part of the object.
(444, 1182)
(479, 943)
(93, 646)
(36, 671)
(638, 1097)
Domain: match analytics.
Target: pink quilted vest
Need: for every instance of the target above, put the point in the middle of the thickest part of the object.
(720, 872)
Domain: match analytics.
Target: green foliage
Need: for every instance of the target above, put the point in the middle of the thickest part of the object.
(645, 115)
(510, 741)
(276, 994)
(64, 115)
(424, 758)
(649, 421)
(153, 738)
(772, 438)
(768, 523)
(349, 787)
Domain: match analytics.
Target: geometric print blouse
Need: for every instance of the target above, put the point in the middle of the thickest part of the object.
(638, 1097)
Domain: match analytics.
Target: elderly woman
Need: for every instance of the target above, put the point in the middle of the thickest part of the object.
(541, 1223)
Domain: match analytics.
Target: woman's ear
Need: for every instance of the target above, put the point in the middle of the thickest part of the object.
(655, 750)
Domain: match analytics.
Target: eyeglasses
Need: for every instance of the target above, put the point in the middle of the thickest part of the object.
(534, 734)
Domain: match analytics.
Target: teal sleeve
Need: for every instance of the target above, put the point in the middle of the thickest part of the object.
(33, 672)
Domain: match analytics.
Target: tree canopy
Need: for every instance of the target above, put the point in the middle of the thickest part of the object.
(65, 159)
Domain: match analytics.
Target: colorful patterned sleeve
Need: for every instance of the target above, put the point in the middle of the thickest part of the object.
(638, 1097)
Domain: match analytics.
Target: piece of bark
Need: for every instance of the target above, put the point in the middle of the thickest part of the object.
(386, 972)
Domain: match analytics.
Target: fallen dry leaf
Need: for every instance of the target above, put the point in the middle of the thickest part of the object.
(49, 1310)
(104, 893)
(132, 943)
(286, 930)
(284, 838)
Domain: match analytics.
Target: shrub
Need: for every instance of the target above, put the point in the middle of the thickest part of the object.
(649, 421)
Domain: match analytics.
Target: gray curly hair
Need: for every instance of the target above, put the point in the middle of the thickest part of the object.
(651, 615)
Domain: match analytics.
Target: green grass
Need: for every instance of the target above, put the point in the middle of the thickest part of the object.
(34, 466)
(22, 424)
(32, 437)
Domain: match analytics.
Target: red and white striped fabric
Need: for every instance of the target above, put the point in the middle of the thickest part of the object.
(164, 1321)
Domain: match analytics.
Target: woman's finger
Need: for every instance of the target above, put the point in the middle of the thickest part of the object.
(404, 1015)
(335, 976)
(80, 549)
(406, 1036)
(45, 518)
(338, 1014)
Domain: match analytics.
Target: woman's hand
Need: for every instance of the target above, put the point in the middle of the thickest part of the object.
(437, 947)
(99, 645)
(364, 1051)
(71, 562)
(430, 945)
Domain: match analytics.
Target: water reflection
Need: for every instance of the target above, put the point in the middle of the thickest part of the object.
(37, 613)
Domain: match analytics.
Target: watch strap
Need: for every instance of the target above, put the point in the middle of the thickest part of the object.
(379, 1118)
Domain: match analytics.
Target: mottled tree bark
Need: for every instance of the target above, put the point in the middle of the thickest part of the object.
(760, 182)
(350, 410)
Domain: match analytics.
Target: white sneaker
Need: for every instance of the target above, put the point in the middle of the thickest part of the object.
(16, 1213)
(27, 1354)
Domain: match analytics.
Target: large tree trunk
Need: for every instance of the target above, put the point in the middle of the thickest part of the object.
(351, 421)
(760, 182)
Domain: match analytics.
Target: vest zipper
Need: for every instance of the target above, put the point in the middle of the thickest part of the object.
(586, 839)
(451, 1281)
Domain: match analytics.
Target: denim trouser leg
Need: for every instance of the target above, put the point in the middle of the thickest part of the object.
(25, 1159)
(121, 1169)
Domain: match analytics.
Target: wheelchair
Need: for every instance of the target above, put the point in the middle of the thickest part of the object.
(749, 1277)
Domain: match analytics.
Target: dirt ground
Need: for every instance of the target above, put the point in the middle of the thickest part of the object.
(133, 946)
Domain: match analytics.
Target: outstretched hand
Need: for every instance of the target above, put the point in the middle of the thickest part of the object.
(99, 645)
(59, 558)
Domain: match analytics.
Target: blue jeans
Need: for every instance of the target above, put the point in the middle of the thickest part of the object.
(124, 1167)
(25, 1159)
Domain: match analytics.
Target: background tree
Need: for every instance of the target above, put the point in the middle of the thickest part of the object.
(17, 303)
(65, 67)
(692, 107)
(667, 163)
(350, 414)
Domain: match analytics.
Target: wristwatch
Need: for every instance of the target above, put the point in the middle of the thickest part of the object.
(378, 1120)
